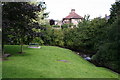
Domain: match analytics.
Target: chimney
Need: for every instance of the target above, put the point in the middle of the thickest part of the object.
(72, 10)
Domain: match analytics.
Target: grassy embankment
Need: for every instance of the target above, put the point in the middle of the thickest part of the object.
(45, 63)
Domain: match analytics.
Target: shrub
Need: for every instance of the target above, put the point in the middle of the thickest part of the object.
(53, 37)
(38, 40)
(108, 52)
(56, 26)
(65, 26)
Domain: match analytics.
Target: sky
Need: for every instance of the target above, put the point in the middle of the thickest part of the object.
(61, 8)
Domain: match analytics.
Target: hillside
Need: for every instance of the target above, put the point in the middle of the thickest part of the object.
(50, 62)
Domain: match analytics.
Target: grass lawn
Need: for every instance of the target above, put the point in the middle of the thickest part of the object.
(45, 63)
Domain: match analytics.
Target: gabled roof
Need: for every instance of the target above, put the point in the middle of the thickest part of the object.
(73, 15)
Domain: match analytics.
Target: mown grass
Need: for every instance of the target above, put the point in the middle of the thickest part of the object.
(43, 63)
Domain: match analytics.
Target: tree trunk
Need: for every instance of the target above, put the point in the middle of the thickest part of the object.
(2, 49)
(21, 43)
(21, 48)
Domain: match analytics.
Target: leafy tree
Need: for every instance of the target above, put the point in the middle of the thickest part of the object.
(115, 11)
(97, 31)
(42, 15)
(108, 52)
(85, 21)
(58, 37)
(65, 26)
(17, 22)
(52, 22)
(53, 37)
(90, 33)
(42, 18)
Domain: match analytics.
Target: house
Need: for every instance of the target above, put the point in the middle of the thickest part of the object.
(73, 18)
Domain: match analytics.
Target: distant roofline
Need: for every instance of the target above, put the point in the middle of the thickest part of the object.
(73, 18)
(73, 15)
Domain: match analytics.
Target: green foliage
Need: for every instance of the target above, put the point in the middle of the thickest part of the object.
(56, 26)
(108, 52)
(65, 26)
(38, 40)
(84, 38)
(58, 38)
(46, 26)
(70, 24)
(53, 37)
(41, 19)
(85, 21)
(115, 11)
(36, 30)
(87, 36)
(47, 36)
(18, 22)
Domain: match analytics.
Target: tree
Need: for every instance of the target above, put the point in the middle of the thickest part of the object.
(115, 11)
(85, 21)
(108, 53)
(52, 22)
(17, 22)
(42, 15)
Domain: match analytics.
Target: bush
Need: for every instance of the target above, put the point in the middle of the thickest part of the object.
(56, 26)
(86, 37)
(65, 26)
(38, 40)
(53, 37)
(107, 56)
(58, 38)
(76, 39)
(108, 53)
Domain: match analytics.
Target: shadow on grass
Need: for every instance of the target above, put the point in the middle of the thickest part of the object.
(15, 51)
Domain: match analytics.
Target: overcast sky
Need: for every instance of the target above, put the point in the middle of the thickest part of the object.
(61, 8)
